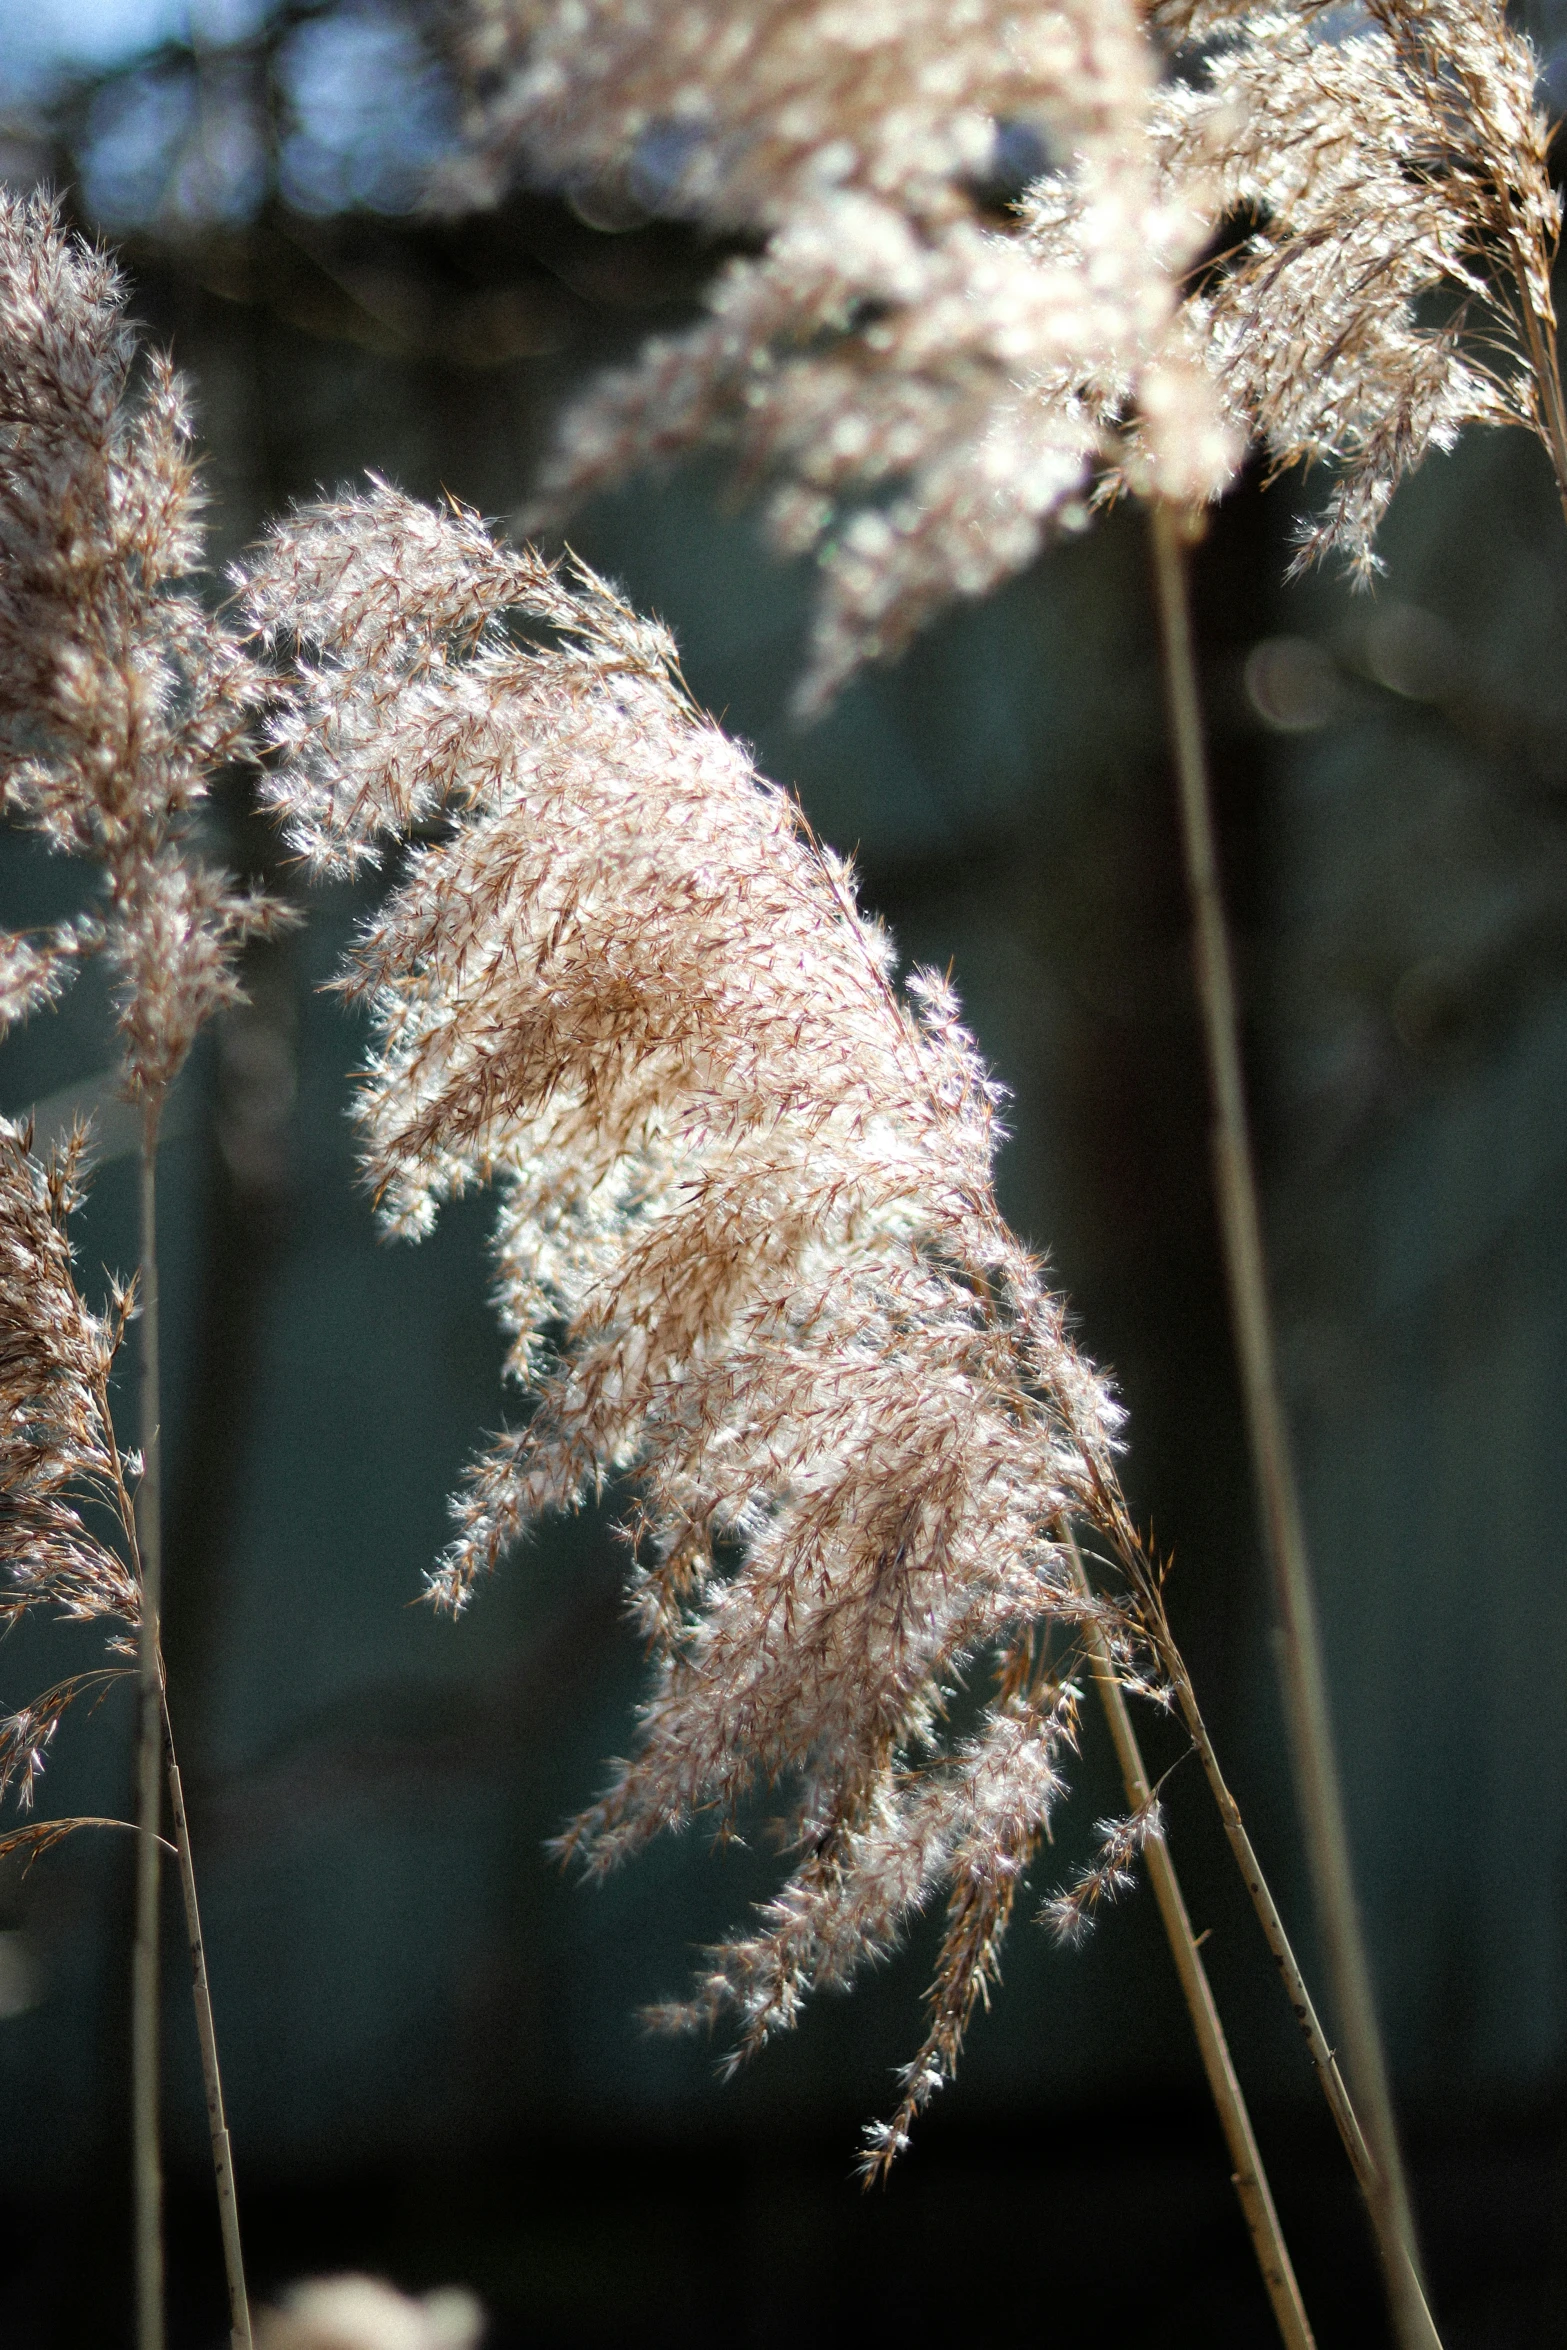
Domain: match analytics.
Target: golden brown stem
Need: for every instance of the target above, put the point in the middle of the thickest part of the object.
(1251, 2180)
(141, 1523)
(222, 2151)
(1300, 1999)
(147, 2160)
(1305, 1690)
(1540, 335)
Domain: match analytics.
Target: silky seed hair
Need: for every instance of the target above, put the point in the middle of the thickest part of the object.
(748, 1252)
(121, 696)
(920, 395)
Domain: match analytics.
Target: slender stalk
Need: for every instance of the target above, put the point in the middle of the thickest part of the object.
(138, 1522)
(146, 2155)
(1251, 2180)
(222, 2151)
(1300, 1999)
(1540, 338)
(1305, 1690)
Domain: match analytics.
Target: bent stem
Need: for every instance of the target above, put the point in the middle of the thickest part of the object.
(143, 1529)
(1305, 1690)
(1251, 2180)
(41, 1836)
(146, 2156)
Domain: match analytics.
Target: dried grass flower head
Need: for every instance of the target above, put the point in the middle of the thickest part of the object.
(120, 695)
(1388, 280)
(748, 1253)
(926, 389)
(924, 396)
(66, 1532)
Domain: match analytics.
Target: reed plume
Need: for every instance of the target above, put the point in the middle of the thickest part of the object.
(1388, 281)
(63, 1484)
(1380, 280)
(748, 1251)
(121, 697)
(923, 395)
(929, 384)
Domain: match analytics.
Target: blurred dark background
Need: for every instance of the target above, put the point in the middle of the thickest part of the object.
(434, 2063)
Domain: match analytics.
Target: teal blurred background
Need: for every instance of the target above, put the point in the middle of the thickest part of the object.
(431, 2041)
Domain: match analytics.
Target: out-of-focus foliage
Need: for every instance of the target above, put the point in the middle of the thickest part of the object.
(185, 118)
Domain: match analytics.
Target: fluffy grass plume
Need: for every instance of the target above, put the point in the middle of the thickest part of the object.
(748, 1252)
(121, 696)
(1388, 279)
(923, 395)
(1329, 236)
(63, 1487)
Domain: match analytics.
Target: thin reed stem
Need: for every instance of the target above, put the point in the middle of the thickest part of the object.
(147, 2158)
(222, 2150)
(1540, 339)
(206, 2032)
(1305, 1690)
(1278, 1941)
(1251, 2180)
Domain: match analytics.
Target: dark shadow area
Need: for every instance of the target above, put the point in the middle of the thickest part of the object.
(1115, 2222)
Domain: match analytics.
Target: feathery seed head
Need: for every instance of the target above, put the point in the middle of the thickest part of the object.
(61, 1481)
(1391, 281)
(924, 393)
(921, 395)
(748, 1248)
(120, 697)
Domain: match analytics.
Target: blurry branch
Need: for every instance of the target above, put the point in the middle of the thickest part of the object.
(142, 1521)
(116, 1129)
